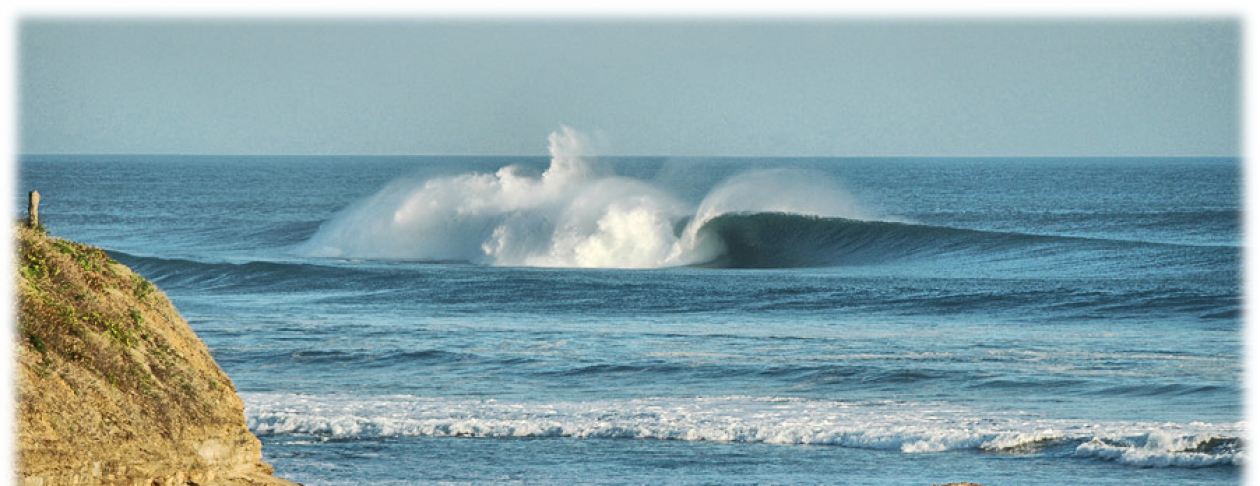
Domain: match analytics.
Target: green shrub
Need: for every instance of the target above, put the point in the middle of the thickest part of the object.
(142, 287)
(64, 247)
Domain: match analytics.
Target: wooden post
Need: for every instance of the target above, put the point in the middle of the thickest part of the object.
(32, 210)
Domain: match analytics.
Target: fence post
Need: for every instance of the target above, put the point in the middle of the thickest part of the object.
(33, 208)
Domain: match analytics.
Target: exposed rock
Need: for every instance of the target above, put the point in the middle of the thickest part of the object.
(113, 385)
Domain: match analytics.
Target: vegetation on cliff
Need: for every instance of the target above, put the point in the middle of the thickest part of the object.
(113, 386)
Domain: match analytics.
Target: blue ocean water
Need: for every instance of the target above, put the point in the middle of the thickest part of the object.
(640, 320)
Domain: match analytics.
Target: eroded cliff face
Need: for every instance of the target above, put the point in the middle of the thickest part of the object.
(113, 386)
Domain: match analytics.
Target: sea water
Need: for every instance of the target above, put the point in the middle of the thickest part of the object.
(650, 320)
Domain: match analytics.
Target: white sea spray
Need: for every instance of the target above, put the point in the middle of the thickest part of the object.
(577, 213)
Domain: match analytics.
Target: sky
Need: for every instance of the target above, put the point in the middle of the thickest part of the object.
(781, 87)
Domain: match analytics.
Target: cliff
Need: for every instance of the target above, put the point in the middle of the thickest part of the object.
(113, 385)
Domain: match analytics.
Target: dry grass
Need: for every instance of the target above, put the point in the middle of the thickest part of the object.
(80, 308)
(112, 382)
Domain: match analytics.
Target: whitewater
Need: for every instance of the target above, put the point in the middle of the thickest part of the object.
(594, 319)
(577, 213)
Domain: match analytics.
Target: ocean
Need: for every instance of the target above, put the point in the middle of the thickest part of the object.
(657, 320)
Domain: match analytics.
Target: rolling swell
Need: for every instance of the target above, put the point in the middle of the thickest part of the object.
(782, 240)
(989, 271)
(276, 275)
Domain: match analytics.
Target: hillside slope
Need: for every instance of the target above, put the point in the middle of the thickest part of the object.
(113, 385)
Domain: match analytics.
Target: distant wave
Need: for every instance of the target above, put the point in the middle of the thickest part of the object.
(577, 213)
(899, 426)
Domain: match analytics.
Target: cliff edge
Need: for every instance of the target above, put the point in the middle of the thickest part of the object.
(113, 385)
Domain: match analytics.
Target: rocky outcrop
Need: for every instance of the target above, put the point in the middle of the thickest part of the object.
(113, 386)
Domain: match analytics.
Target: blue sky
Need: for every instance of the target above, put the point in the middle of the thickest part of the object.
(955, 87)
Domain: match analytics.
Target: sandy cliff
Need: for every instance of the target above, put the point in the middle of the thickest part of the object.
(113, 386)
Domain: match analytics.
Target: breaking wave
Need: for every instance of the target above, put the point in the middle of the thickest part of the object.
(907, 427)
(577, 213)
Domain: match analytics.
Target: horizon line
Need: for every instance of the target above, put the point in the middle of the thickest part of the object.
(761, 156)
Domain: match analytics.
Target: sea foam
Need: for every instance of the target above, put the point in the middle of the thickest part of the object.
(907, 427)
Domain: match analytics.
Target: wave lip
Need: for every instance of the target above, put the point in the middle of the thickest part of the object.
(895, 426)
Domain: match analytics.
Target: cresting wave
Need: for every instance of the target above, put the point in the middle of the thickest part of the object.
(577, 213)
(898, 426)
